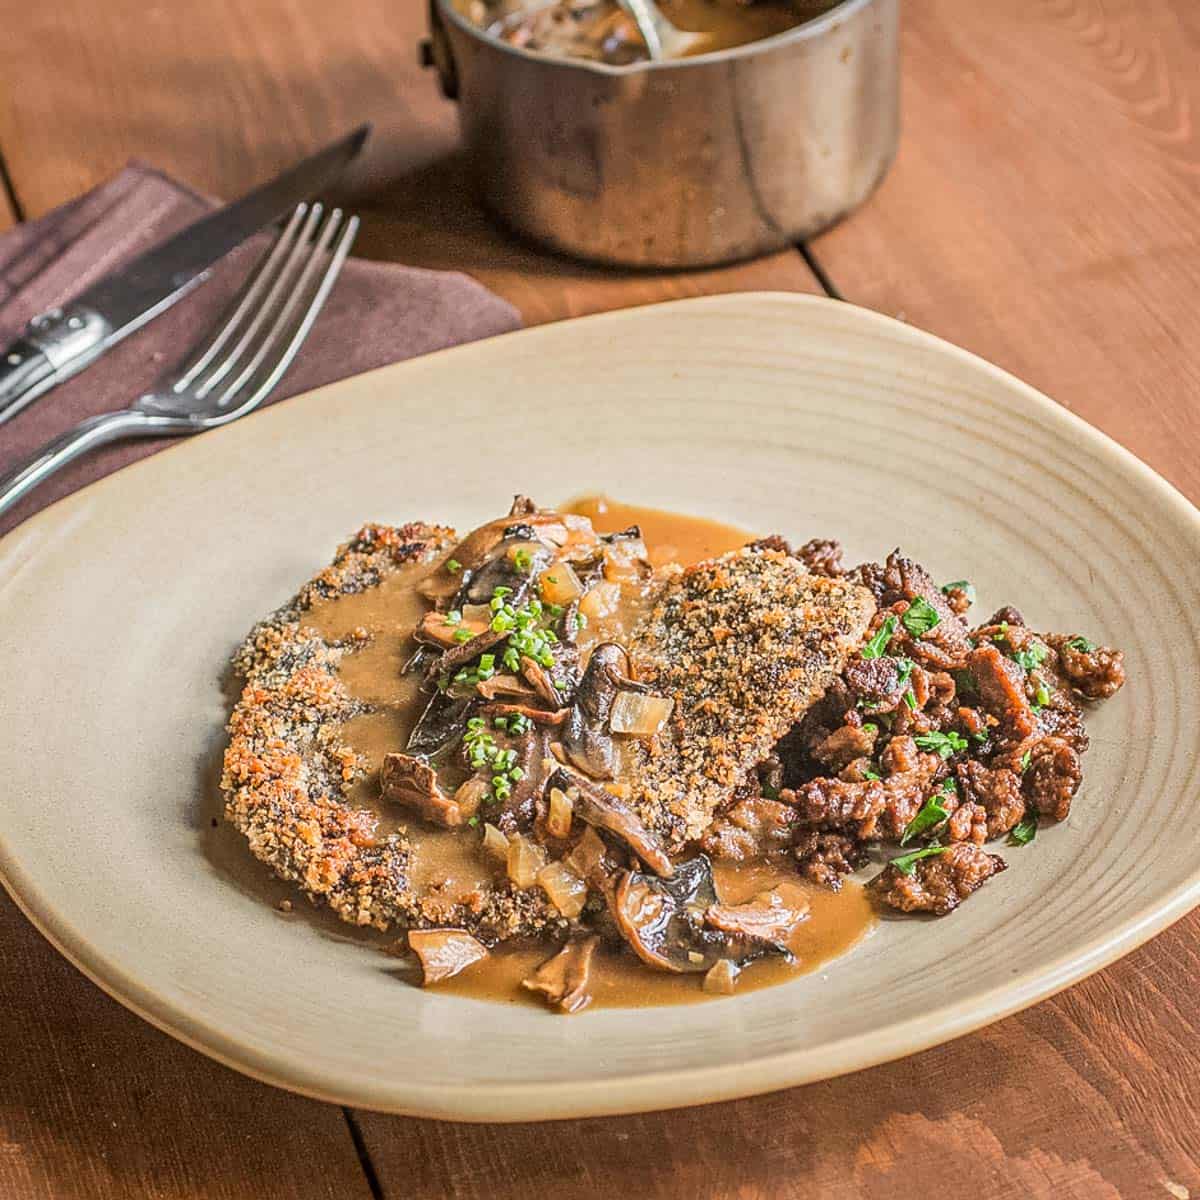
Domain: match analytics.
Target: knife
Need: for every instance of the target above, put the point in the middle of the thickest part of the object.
(58, 344)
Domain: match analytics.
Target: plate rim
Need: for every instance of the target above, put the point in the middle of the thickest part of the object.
(678, 1087)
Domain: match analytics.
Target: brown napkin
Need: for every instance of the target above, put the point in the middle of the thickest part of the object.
(377, 313)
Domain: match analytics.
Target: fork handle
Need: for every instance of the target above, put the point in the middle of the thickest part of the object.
(54, 455)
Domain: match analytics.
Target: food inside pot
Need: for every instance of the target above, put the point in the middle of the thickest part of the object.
(603, 755)
(601, 31)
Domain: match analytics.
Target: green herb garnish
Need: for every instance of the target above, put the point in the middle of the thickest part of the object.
(1023, 832)
(522, 560)
(877, 646)
(906, 864)
(945, 744)
(921, 617)
(1042, 696)
(932, 813)
(872, 774)
(1026, 759)
(960, 585)
(1032, 658)
(463, 635)
(453, 566)
(453, 617)
(1082, 643)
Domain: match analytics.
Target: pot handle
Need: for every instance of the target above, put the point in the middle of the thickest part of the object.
(434, 51)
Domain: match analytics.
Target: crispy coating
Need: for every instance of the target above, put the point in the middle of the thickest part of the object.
(744, 644)
(286, 770)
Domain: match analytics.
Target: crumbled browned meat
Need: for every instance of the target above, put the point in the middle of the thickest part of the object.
(996, 790)
(1053, 777)
(754, 826)
(1006, 616)
(938, 884)
(959, 599)
(1095, 673)
(844, 745)
(822, 556)
(898, 582)
(824, 857)
(1062, 721)
(900, 756)
(743, 644)
(1001, 685)
(968, 823)
(877, 685)
(773, 541)
(875, 809)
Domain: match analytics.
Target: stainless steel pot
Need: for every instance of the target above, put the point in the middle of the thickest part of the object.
(685, 163)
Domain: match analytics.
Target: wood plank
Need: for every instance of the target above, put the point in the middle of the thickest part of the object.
(1042, 210)
(1091, 1096)
(97, 1105)
(222, 94)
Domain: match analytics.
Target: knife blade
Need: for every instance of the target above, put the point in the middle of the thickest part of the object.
(58, 344)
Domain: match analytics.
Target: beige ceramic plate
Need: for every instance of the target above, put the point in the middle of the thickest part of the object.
(121, 606)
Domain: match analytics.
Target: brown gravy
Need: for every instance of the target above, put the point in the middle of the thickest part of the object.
(455, 861)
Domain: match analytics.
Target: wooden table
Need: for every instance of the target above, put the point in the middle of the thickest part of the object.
(1043, 212)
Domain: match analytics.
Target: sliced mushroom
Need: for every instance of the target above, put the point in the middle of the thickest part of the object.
(539, 716)
(504, 685)
(463, 653)
(441, 723)
(413, 782)
(443, 953)
(661, 919)
(770, 917)
(435, 630)
(586, 740)
(563, 979)
(599, 807)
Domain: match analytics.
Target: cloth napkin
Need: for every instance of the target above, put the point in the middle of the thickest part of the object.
(377, 313)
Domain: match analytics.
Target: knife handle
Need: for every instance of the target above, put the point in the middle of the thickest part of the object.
(55, 345)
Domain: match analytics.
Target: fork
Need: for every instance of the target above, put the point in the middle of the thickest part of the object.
(238, 364)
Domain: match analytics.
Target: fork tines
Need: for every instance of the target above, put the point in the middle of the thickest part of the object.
(257, 339)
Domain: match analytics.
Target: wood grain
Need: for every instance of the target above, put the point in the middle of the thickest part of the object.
(1045, 217)
(222, 94)
(95, 1104)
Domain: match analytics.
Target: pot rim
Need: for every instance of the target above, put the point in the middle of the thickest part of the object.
(813, 28)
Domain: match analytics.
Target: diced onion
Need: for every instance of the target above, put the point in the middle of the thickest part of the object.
(567, 892)
(721, 977)
(621, 560)
(559, 584)
(587, 854)
(495, 843)
(558, 819)
(525, 860)
(600, 601)
(639, 715)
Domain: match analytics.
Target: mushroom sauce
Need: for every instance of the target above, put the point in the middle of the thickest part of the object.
(457, 861)
(601, 31)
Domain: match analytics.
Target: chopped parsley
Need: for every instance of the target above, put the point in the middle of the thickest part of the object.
(1042, 696)
(906, 864)
(1032, 658)
(931, 815)
(869, 728)
(1026, 759)
(960, 585)
(872, 774)
(921, 617)
(877, 646)
(1023, 832)
(453, 566)
(945, 744)
(1082, 643)
(910, 700)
